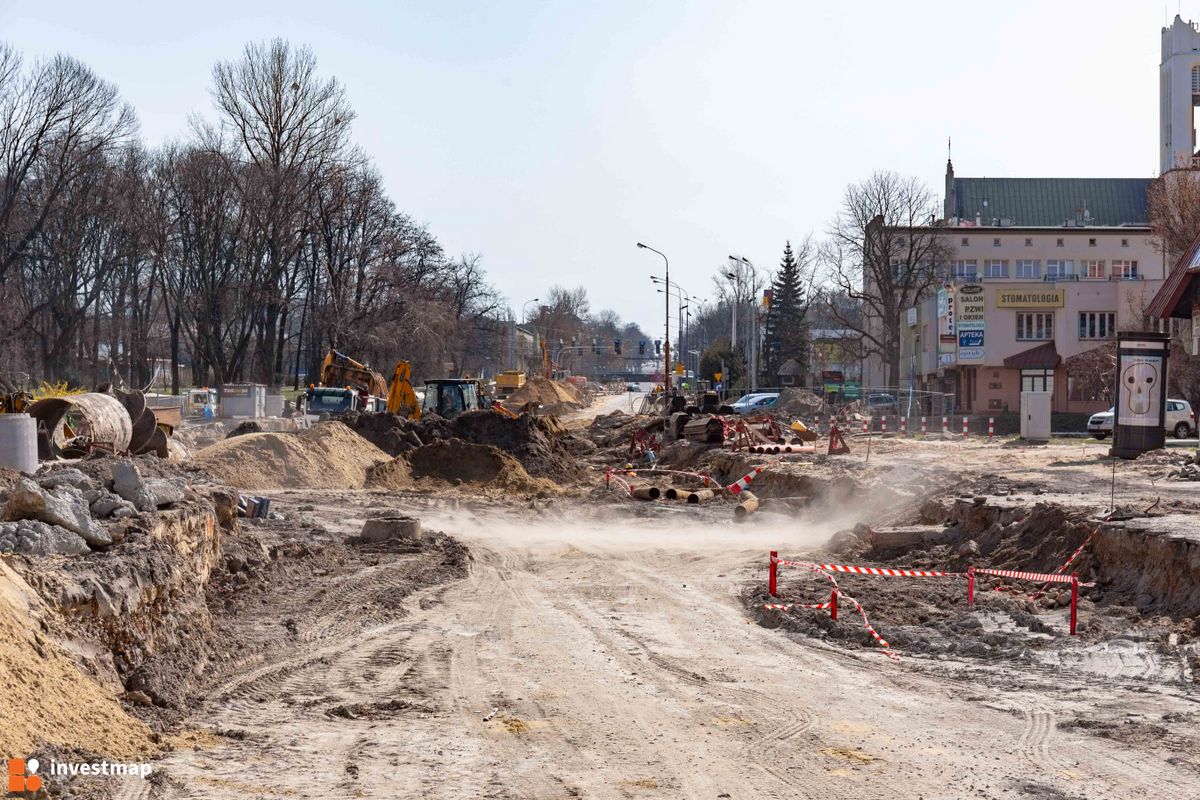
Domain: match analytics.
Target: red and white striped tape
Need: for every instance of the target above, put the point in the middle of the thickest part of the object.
(790, 606)
(880, 571)
(1025, 576)
(887, 648)
(738, 486)
(1061, 570)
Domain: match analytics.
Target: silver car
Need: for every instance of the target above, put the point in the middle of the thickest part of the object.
(1180, 420)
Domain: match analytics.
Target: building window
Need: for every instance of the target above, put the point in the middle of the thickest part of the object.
(963, 269)
(1097, 324)
(1124, 243)
(1028, 268)
(995, 242)
(1196, 79)
(1037, 380)
(1059, 244)
(1125, 270)
(1035, 327)
(995, 268)
(995, 404)
(1060, 268)
(1091, 242)
(966, 242)
(1090, 268)
(1029, 242)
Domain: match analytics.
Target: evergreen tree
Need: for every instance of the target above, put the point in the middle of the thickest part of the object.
(786, 334)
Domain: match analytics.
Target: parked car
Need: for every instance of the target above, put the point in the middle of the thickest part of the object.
(882, 403)
(754, 403)
(1180, 420)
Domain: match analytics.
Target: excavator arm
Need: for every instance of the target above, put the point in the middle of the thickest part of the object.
(401, 398)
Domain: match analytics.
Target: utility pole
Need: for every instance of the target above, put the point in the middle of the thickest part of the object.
(667, 320)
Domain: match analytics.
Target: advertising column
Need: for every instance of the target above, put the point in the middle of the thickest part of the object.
(1141, 393)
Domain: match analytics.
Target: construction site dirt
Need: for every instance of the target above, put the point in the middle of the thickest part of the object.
(544, 634)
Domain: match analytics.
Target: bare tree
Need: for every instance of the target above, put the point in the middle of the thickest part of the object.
(56, 119)
(883, 253)
(290, 127)
(1174, 207)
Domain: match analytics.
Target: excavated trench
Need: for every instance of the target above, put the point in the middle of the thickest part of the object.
(1145, 571)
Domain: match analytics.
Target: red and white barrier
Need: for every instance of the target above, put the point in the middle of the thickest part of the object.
(832, 604)
(964, 426)
(991, 427)
(924, 430)
(738, 486)
(903, 426)
(945, 425)
(883, 424)
(1027, 576)
(866, 424)
(1061, 570)
(878, 571)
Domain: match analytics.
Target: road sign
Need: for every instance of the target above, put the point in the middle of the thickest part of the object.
(852, 390)
(678, 368)
(718, 375)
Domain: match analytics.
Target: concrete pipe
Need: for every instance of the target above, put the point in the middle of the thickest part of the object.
(98, 419)
(671, 493)
(645, 493)
(745, 508)
(700, 496)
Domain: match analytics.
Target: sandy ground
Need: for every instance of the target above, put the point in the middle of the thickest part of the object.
(607, 655)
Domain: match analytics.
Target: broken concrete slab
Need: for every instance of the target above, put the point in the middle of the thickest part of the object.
(146, 494)
(36, 538)
(63, 506)
(112, 505)
(66, 477)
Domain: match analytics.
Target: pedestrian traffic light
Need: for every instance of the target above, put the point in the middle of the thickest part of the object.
(641, 347)
(617, 346)
(658, 346)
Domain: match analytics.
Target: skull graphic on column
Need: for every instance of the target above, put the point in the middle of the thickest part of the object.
(1141, 377)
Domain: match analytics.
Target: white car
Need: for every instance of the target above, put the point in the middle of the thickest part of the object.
(1180, 421)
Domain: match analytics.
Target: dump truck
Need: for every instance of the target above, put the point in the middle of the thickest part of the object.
(508, 382)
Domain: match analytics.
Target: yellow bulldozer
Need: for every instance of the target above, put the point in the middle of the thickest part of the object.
(344, 380)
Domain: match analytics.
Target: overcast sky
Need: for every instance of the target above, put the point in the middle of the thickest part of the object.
(552, 136)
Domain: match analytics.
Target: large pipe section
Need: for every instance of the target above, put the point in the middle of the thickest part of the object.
(745, 508)
(94, 419)
(700, 496)
(645, 493)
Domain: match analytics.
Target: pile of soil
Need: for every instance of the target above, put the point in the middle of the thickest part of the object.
(800, 403)
(326, 456)
(48, 701)
(546, 393)
(542, 446)
(458, 462)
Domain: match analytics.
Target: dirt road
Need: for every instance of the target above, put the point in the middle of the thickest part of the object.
(613, 659)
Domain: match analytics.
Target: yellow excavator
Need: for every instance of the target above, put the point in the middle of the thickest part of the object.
(344, 380)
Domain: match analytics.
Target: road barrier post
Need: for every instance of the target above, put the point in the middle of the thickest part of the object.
(923, 429)
(903, 426)
(833, 605)
(970, 582)
(991, 427)
(964, 426)
(945, 425)
(1074, 601)
(771, 573)
(883, 424)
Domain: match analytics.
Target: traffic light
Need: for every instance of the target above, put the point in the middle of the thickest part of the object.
(617, 346)
(642, 347)
(658, 347)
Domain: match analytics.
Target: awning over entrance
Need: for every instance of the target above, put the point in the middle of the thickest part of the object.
(1044, 356)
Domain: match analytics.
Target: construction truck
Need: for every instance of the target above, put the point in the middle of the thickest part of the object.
(449, 397)
(508, 382)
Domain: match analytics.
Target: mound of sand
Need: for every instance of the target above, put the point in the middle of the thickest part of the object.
(545, 392)
(326, 456)
(456, 461)
(47, 700)
(800, 403)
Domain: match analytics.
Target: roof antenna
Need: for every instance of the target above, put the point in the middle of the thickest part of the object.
(947, 148)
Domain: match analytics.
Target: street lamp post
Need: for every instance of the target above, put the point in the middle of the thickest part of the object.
(524, 321)
(667, 325)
